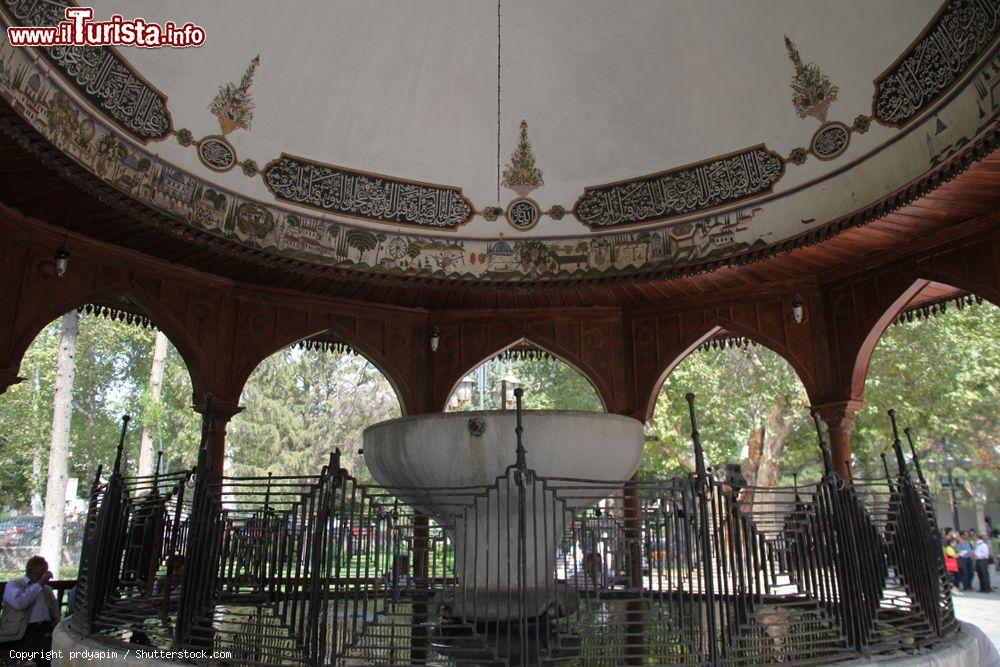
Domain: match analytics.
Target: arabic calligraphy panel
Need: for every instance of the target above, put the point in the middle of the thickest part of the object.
(830, 140)
(957, 36)
(696, 187)
(216, 153)
(523, 213)
(100, 75)
(367, 196)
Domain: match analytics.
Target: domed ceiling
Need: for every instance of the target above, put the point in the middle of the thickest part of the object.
(629, 137)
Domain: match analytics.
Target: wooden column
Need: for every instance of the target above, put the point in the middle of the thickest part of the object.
(223, 410)
(839, 416)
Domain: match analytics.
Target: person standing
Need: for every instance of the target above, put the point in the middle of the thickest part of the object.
(966, 560)
(30, 612)
(951, 563)
(983, 558)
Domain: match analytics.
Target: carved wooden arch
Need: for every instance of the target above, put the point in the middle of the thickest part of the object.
(388, 370)
(140, 302)
(720, 324)
(546, 348)
(875, 328)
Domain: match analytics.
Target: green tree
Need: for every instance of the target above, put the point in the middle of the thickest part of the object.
(751, 408)
(303, 404)
(942, 376)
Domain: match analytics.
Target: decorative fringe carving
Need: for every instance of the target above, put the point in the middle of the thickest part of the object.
(522, 354)
(325, 346)
(939, 308)
(116, 315)
(727, 341)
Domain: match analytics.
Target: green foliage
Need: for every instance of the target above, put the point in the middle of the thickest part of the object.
(548, 384)
(735, 390)
(942, 376)
(112, 375)
(303, 404)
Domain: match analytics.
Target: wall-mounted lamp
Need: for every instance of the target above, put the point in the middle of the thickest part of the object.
(798, 308)
(435, 339)
(62, 260)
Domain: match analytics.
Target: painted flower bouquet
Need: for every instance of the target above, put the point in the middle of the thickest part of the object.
(233, 105)
(812, 92)
(521, 175)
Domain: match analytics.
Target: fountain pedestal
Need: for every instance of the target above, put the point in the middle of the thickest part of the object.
(504, 523)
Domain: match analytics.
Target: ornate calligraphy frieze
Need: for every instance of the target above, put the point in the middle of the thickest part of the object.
(959, 33)
(689, 189)
(100, 75)
(367, 196)
(830, 140)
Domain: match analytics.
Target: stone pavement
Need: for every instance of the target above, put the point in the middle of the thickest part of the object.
(982, 609)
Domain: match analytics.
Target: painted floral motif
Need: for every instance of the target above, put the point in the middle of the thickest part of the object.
(522, 175)
(184, 137)
(812, 92)
(233, 104)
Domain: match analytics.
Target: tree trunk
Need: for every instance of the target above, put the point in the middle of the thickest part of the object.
(62, 415)
(36, 455)
(155, 390)
(762, 467)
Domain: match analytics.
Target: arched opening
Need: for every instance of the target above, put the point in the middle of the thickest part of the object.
(725, 333)
(303, 402)
(752, 412)
(938, 365)
(107, 361)
(549, 383)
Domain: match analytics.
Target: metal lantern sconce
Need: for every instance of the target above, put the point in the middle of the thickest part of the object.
(798, 308)
(464, 391)
(435, 339)
(505, 390)
(62, 260)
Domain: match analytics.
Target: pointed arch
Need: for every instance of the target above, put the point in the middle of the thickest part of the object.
(372, 355)
(602, 396)
(122, 296)
(723, 325)
(875, 327)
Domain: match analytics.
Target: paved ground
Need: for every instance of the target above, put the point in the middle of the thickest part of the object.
(982, 609)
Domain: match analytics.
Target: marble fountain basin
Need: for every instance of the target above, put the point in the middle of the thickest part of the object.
(456, 467)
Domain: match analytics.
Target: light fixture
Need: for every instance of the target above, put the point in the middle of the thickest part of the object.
(798, 308)
(62, 260)
(505, 391)
(464, 390)
(435, 339)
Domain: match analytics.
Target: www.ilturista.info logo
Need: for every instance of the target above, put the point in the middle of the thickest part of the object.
(79, 30)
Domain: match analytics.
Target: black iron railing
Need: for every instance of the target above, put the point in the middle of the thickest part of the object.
(527, 570)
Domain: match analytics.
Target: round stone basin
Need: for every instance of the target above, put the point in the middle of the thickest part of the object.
(457, 467)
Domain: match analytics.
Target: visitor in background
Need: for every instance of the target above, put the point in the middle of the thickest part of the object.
(947, 536)
(983, 559)
(951, 563)
(966, 558)
(30, 612)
